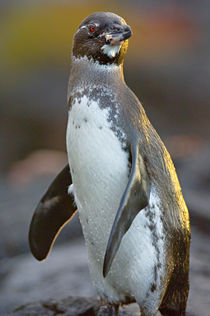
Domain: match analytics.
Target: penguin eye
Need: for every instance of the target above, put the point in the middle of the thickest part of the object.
(92, 28)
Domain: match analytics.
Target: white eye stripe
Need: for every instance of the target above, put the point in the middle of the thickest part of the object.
(96, 24)
(79, 29)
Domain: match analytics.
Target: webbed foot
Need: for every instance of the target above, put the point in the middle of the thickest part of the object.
(108, 310)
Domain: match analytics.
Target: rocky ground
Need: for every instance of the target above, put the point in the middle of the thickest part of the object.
(65, 272)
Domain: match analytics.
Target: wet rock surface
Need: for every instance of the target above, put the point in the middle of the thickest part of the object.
(71, 306)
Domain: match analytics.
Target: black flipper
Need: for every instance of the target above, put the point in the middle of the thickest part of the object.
(134, 199)
(53, 211)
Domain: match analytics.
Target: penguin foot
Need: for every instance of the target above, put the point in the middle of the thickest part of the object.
(108, 310)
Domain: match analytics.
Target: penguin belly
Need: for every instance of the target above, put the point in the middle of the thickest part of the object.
(100, 169)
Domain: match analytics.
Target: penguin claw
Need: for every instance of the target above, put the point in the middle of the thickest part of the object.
(108, 310)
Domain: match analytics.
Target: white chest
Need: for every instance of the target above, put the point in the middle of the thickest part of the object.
(99, 169)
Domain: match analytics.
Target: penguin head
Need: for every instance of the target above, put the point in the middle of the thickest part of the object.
(102, 37)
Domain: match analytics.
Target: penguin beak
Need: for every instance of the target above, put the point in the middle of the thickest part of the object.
(118, 34)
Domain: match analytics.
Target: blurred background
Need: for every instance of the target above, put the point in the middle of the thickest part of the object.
(167, 66)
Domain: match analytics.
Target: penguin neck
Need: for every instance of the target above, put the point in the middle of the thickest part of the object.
(86, 72)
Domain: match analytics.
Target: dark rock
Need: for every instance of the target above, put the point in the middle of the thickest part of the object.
(64, 273)
(71, 306)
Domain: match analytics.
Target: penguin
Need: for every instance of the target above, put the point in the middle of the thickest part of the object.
(121, 179)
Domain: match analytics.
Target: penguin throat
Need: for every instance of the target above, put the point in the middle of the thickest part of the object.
(111, 50)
